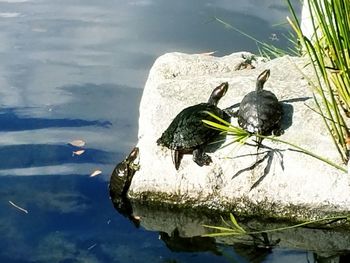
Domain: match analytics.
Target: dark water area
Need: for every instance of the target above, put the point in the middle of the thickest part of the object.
(75, 70)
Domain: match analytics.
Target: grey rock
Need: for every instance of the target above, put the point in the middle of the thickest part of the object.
(286, 183)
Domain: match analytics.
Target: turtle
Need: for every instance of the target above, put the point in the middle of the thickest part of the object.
(187, 134)
(260, 112)
(119, 184)
(122, 174)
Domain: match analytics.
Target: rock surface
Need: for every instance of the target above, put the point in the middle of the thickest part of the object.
(286, 183)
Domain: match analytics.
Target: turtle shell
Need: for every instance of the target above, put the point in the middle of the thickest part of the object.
(260, 112)
(120, 179)
(187, 131)
(122, 175)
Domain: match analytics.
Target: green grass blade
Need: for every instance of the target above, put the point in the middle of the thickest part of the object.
(235, 224)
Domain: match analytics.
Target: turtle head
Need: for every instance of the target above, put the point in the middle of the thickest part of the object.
(218, 93)
(133, 154)
(262, 78)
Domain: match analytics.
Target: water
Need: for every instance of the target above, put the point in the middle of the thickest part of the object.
(75, 69)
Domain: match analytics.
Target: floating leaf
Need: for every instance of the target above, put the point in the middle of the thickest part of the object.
(95, 173)
(92, 246)
(77, 143)
(79, 152)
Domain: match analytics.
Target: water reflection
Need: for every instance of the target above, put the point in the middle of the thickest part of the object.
(11, 121)
(59, 226)
(182, 230)
(35, 137)
(31, 155)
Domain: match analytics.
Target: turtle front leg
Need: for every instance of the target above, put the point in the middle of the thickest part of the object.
(134, 166)
(201, 158)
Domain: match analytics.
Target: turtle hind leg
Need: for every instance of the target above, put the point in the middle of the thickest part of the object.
(201, 158)
(277, 130)
(231, 111)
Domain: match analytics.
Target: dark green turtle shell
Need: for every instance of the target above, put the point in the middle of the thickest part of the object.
(260, 112)
(187, 131)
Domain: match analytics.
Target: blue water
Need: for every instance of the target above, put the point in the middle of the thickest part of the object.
(75, 69)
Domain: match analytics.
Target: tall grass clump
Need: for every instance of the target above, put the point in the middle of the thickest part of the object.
(328, 49)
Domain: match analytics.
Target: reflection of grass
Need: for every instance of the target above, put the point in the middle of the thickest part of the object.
(234, 229)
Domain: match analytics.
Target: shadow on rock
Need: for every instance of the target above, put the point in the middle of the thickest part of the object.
(288, 110)
(269, 155)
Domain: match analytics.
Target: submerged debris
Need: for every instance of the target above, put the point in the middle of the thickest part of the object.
(18, 207)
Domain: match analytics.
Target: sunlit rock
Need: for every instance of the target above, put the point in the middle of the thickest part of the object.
(286, 183)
